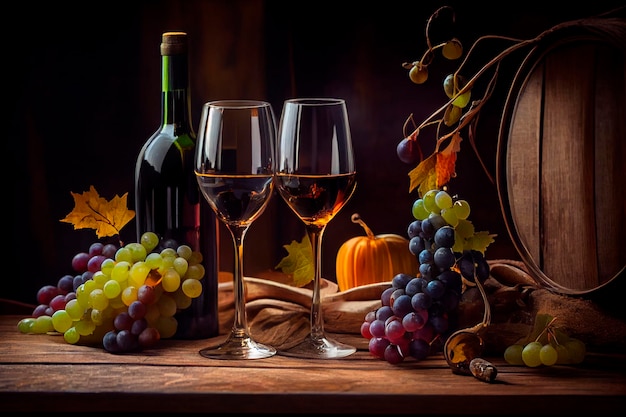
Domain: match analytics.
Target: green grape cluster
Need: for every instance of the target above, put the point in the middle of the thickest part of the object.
(128, 302)
(551, 347)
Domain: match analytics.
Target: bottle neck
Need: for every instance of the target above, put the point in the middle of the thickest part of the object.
(176, 100)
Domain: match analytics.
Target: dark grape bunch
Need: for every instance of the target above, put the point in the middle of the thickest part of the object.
(417, 312)
(122, 298)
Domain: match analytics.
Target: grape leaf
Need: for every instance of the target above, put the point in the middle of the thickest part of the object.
(94, 212)
(479, 241)
(436, 170)
(298, 262)
(424, 176)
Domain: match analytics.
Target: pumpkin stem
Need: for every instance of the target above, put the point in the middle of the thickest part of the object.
(356, 218)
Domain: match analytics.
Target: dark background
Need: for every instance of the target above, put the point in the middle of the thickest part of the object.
(84, 94)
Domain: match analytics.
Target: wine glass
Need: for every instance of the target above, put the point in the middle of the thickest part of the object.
(234, 165)
(315, 177)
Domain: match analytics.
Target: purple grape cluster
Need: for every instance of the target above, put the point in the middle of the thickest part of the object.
(51, 298)
(418, 312)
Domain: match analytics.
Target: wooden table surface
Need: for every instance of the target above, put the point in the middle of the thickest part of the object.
(43, 373)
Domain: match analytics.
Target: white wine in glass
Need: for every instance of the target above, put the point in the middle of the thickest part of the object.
(315, 176)
(234, 165)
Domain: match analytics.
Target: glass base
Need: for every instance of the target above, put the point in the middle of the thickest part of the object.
(318, 348)
(238, 348)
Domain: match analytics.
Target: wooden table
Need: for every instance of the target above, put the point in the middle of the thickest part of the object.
(43, 373)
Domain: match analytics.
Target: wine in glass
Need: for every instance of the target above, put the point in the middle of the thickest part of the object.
(315, 176)
(234, 165)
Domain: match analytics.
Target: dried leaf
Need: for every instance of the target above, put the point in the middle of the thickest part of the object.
(94, 212)
(423, 176)
(298, 262)
(446, 161)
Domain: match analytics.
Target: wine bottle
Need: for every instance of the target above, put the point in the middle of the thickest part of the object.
(168, 201)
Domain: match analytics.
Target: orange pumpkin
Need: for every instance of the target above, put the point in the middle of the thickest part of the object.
(373, 258)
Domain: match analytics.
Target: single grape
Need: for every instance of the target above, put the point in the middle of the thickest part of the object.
(419, 349)
(181, 265)
(400, 280)
(414, 286)
(126, 341)
(577, 350)
(418, 73)
(383, 313)
(413, 321)
(192, 288)
(548, 355)
(71, 336)
(25, 325)
(461, 209)
(137, 310)
(109, 250)
(531, 354)
(377, 346)
(58, 302)
(47, 293)
(402, 305)
(79, 262)
(414, 229)
(421, 301)
(435, 289)
(452, 85)
(444, 258)
(416, 245)
(418, 210)
(429, 201)
(449, 215)
(443, 200)
(394, 330)
(149, 240)
(95, 262)
(95, 249)
(66, 284)
(123, 321)
(513, 354)
(365, 330)
(452, 49)
(392, 354)
(139, 326)
(138, 252)
(148, 337)
(109, 342)
(444, 237)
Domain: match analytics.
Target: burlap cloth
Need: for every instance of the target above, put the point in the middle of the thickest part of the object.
(278, 313)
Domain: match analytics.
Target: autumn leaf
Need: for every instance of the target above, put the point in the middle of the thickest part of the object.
(423, 175)
(298, 262)
(446, 160)
(94, 212)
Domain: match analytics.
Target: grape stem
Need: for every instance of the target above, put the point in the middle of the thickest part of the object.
(547, 328)
(612, 27)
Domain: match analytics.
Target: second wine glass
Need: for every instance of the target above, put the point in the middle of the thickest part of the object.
(315, 176)
(234, 165)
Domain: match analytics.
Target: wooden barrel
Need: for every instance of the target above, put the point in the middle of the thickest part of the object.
(562, 155)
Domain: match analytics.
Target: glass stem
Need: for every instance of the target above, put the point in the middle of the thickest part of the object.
(317, 318)
(240, 323)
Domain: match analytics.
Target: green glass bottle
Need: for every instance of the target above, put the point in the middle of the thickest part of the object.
(167, 197)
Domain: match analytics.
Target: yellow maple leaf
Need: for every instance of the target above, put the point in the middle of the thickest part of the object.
(94, 212)
(298, 262)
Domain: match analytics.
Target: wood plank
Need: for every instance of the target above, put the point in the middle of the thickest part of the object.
(174, 377)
